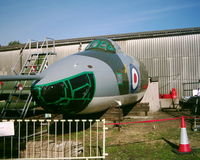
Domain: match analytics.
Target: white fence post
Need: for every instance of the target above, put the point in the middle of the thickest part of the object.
(55, 139)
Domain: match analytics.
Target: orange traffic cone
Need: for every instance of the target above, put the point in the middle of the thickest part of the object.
(184, 146)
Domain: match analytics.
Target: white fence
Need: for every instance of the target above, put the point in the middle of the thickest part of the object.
(52, 139)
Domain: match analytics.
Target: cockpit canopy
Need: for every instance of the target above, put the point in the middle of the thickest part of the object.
(105, 45)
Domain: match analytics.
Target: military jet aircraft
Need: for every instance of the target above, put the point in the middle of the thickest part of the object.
(89, 81)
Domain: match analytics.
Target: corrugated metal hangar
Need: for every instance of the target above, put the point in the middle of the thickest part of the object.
(171, 55)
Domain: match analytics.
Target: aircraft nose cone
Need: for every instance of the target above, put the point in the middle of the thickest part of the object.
(70, 95)
(47, 93)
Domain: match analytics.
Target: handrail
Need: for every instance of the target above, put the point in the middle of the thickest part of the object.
(29, 61)
(45, 43)
(27, 46)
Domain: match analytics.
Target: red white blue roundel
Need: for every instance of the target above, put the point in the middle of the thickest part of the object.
(134, 78)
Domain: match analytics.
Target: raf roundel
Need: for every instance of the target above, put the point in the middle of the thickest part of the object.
(135, 79)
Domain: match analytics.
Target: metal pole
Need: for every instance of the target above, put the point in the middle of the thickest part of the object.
(90, 121)
(19, 127)
(34, 137)
(26, 137)
(76, 137)
(84, 137)
(29, 46)
(63, 132)
(55, 121)
(104, 138)
(97, 125)
(70, 123)
(4, 143)
(48, 132)
(11, 145)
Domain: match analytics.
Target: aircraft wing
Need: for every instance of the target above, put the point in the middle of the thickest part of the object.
(6, 89)
(20, 77)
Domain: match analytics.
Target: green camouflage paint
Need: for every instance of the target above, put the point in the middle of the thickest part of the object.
(115, 64)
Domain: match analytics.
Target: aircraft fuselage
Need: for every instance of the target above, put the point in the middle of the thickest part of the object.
(91, 81)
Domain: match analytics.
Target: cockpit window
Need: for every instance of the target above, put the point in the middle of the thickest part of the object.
(103, 45)
(53, 92)
(78, 89)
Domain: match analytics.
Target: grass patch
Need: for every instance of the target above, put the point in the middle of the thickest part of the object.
(146, 150)
(150, 141)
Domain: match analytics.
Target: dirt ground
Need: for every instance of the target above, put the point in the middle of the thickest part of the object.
(155, 140)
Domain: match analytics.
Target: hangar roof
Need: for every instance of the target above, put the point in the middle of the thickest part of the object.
(126, 36)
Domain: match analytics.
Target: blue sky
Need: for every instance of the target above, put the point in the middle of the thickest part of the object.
(62, 19)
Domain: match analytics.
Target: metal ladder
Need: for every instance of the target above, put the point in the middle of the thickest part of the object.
(34, 64)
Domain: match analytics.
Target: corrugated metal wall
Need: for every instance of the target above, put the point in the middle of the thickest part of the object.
(7, 60)
(175, 59)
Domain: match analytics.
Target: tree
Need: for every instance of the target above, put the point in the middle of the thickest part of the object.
(14, 43)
